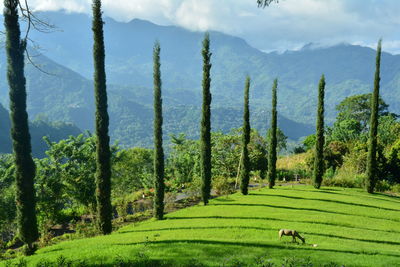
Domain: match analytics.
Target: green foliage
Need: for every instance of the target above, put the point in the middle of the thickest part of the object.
(158, 142)
(273, 142)
(373, 131)
(245, 161)
(24, 165)
(103, 155)
(132, 170)
(358, 108)
(183, 163)
(309, 142)
(320, 140)
(205, 127)
(281, 140)
(73, 160)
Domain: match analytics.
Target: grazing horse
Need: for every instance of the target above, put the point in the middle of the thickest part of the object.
(292, 233)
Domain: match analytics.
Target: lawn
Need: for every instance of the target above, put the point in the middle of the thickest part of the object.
(346, 226)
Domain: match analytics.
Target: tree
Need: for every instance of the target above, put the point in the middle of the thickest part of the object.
(319, 145)
(103, 155)
(245, 170)
(24, 164)
(373, 131)
(205, 135)
(264, 3)
(281, 139)
(358, 108)
(273, 139)
(158, 141)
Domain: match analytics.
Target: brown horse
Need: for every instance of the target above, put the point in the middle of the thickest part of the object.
(292, 233)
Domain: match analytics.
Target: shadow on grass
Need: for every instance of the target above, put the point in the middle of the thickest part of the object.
(253, 244)
(269, 219)
(372, 196)
(327, 200)
(262, 229)
(306, 209)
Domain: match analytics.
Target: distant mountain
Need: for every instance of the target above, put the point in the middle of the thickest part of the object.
(68, 95)
(38, 129)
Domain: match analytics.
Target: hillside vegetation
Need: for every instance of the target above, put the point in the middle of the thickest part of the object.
(341, 227)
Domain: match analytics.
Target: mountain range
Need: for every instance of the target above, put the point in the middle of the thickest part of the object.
(66, 94)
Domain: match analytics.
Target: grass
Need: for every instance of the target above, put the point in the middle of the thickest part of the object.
(348, 226)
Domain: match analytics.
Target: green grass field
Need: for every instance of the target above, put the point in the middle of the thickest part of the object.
(349, 227)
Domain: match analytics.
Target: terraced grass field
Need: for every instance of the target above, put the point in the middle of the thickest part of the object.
(346, 226)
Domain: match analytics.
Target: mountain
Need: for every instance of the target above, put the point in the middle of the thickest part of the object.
(67, 95)
(349, 69)
(38, 128)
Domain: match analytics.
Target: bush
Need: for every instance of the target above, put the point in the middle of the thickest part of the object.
(223, 186)
(382, 186)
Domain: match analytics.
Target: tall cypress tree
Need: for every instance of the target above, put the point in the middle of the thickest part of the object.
(273, 139)
(103, 154)
(319, 145)
(24, 164)
(158, 141)
(205, 132)
(245, 172)
(373, 131)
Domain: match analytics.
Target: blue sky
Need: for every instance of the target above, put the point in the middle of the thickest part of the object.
(284, 26)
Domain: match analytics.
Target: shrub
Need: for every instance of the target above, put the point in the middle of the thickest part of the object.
(382, 186)
(223, 185)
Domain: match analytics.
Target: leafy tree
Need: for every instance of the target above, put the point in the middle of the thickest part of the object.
(205, 134)
(103, 155)
(281, 139)
(183, 161)
(319, 146)
(309, 142)
(245, 170)
(133, 169)
(358, 108)
(273, 139)
(372, 146)
(73, 161)
(265, 3)
(158, 142)
(24, 164)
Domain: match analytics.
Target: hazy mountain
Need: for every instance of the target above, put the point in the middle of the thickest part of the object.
(348, 69)
(38, 128)
(68, 95)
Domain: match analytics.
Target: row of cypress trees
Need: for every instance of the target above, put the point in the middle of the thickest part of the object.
(25, 167)
(373, 131)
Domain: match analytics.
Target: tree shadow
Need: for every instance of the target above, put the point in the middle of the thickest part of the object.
(394, 198)
(306, 209)
(253, 244)
(265, 219)
(262, 229)
(328, 200)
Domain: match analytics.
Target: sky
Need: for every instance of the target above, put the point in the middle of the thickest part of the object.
(287, 25)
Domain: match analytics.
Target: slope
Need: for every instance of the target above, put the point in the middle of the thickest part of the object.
(348, 226)
(349, 69)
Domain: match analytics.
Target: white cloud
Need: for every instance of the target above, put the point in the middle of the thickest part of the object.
(282, 26)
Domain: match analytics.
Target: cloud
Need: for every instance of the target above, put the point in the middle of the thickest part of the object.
(286, 25)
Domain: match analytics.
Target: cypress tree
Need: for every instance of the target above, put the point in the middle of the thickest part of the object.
(319, 145)
(373, 131)
(205, 132)
(273, 139)
(103, 155)
(24, 164)
(158, 141)
(245, 173)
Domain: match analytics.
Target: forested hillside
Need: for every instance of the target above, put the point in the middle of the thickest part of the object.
(67, 94)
